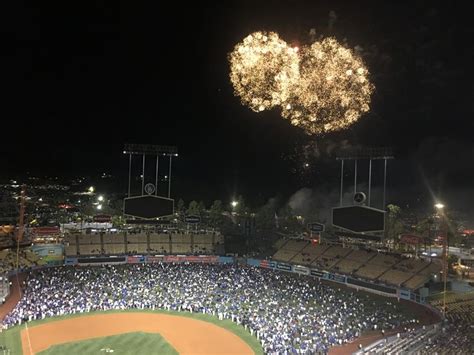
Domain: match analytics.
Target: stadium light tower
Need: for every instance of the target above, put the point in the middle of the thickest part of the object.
(443, 228)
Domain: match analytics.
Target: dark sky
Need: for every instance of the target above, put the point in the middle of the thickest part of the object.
(80, 79)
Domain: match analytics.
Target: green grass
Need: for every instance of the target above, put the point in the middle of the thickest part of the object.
(11, 337)
(123, 344)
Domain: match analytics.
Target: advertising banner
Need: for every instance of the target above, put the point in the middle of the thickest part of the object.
(136, 259)
(284, 267)
(268, 264)
(301, 270)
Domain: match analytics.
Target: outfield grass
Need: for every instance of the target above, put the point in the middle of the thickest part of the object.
(11, 337)
(123, 344)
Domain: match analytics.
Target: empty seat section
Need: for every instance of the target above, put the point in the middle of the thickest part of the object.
(159, 238)
(370, 271)
(203, 248)
(90, 249)
(308, 254)
(202, 239)
(181, 248)
(137, 238)
(70, 250)
(181, 238)
(113, 238)
(395, 277)
(416, 281)
(159, 248)
(347, 266)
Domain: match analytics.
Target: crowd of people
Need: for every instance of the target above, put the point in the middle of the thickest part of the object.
(286, 312)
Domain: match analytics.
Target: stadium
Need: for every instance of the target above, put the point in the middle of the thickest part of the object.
(289, 118)
(161, 282)
(305, 299)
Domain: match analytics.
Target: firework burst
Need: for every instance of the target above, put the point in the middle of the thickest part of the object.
(333, 89)
(263, 68)
(320, 88)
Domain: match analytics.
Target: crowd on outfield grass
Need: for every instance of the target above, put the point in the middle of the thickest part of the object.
(288, 313)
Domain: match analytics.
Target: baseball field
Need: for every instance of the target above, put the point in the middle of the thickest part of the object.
(130, 332)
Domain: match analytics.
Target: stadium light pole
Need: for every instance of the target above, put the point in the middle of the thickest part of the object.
(441, 214)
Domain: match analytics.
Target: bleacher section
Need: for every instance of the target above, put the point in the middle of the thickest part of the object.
(330, 257)
(416, 281)
(376, 266)
(70, 249)
(353, 261)
(90, 249)
(202, 243)
(141, 242)
(159, 248)
(371, 265)
(395, 277)
(114, 248)
(181, 248)
(309, 253)
(137, 238)
(113, 238)
(290, 249)
(432, 268)
(159, 238)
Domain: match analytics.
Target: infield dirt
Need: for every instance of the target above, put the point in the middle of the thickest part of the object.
(186, 335)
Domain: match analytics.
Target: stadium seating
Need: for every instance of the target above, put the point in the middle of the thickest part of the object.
(371, 265)
(203, 248)
(181, 248)
(159, 248)
(290, 249)
(113, 238)
(137, 238)
(347, 266)
(383, 260)
(70, 249)
(362, 256)
(181, 238)
(90, 249)
(159, 238)
(395, 277)
(202, 238)
(416, 281)
(114, 248)
(335, 252)
(411, 265)
(431, 268)
(70, 239)
(309, 254)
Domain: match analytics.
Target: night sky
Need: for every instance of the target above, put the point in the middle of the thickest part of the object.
(80, 79)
